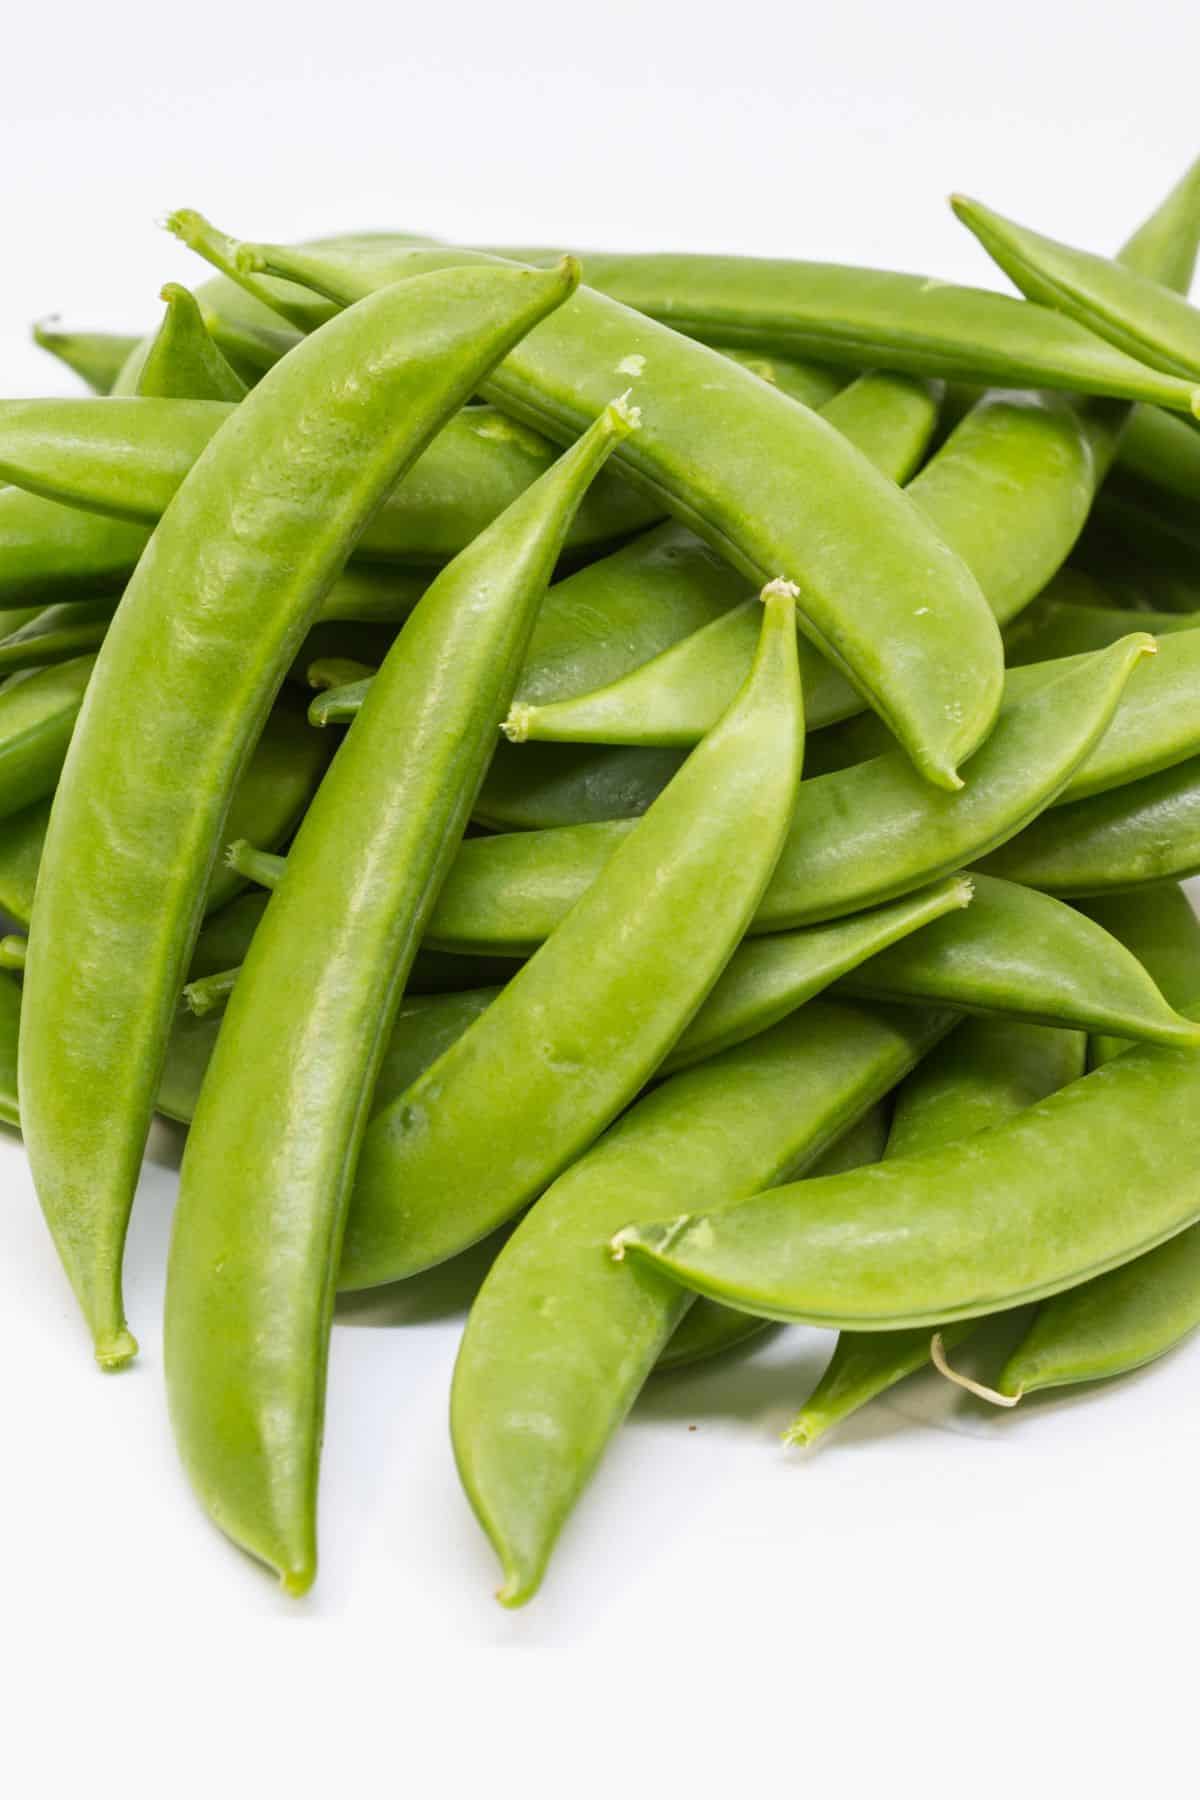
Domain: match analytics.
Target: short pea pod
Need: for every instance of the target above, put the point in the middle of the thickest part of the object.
(582, 1025)
(181, 361)
(560, 1339)
(204, 634)
(1136, 314)
(842, 530)
(859, 837)
(271, 1155)
(97, 357)
(706, 1329)
(1100, 1172)
(128, 457)
(876, 318)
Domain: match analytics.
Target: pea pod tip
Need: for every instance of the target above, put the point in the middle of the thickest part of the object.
(115, 1349)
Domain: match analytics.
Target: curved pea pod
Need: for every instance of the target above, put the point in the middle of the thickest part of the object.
(204, 636)
(97, 357)
(37, 716)
(58, 634)
(875, 317)
(1102, 1171)
(270, 1160)
(10, 1025)
(1009, 491)
(858, 837)
(767, 978)
(1020, 952)
(842, 530)
(129, 457)
(706, 1329)
(583, 1024)
(1139, 316)
(51, 552)
(1146, 832)
(560, 1340)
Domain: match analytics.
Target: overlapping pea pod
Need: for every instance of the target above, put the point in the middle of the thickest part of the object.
(858, 837)
(985, 1072)
(560, 1340)
(1155, 726)
(1101, 1172)
(842, 530)
(1070, 626)
(180, 361)
(127, 458)
(1012, 951)
(97, 357)
(204, 635)
(270, 1160)
(1138, 1312)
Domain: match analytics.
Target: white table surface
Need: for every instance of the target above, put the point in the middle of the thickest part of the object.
(940, 1591)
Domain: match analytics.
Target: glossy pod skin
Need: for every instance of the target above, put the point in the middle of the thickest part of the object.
(541, 1384)
(842, 530)
(581, 1026)
(1146, 832)
(97, 357)
(128, 458)
(1137, 315)
(1102, 1171)
(858, 838)
(205, 632)
(270, 1159)
(874, 318)
(706, 1329)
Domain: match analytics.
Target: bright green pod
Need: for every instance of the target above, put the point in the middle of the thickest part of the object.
(1163, 451)
(1159, 926)
(560, 1339)
(97, 357)
(811, 383)
(128, 458)
(51, 552)
(181, 361)
(270, 1159)
(1067, 627)
(581, 1026)
(203, 638)
(858, 838)
(706, 1329)
(842, 531)
(1146, 832)
(1097, 1174)
(1139, 316)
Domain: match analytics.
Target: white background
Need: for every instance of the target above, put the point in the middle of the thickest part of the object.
(939, 1594)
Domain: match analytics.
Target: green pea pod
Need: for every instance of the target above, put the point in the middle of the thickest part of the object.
(560, 1339)
(1086, 1180)
(128, 458)
(181, 361)
(270, 1160)
(204, 635)
(533, 787)
(37, 716)
(52, 552)
(874, 318)
(58, 634)
(580, 1027)
(1016, 951)
(1137, 315)
(842, 531)
(1146, 832)
(1136, 1313)
(858, 837)
(1162, 451)
(1066, 628)
(1009, 491)
(811, 383)
(97, 357)
(706, 1329)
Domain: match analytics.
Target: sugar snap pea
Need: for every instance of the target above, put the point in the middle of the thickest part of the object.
(729, 482)
(181, 361)
(560, 1340)
(128, 457)
(1163, 451)
(706, 1329)
(812, 383)
(1100, 1172)
(51, 552)
(1160, 927)
(37, 716)
(1136, 314)
(270, 1159)
(858, 838)
(97, 357)
(875, 318)
(555, 1059)
(204, 635)
(57, 634)
(1056, 628)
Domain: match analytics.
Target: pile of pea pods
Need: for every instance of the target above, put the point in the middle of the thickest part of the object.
(488, 847)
